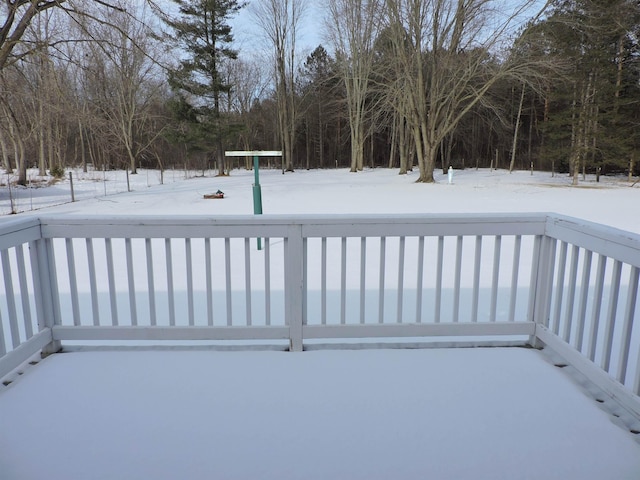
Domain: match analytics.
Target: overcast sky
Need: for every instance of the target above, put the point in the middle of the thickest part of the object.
(249, 36)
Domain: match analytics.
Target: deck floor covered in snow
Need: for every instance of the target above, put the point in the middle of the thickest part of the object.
(464, 413)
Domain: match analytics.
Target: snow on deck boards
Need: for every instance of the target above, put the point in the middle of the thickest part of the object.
(486, 413)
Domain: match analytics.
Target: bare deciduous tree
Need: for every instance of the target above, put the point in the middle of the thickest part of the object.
(279, 21)
(19, 15)
(131, 78)
(354, 25)
(447, 52)
(250, 80)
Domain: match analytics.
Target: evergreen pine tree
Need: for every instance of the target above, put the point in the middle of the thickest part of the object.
(593, 110)
(203, 33)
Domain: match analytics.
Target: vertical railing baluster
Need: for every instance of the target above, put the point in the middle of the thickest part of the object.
(495, 279)
(457, 280)
(596, 307)
(548, 281)
(49, 287)
(227, 267)
(419, 279)
(132, 285)
(93, 283)
(323, 282)
(537, 268)
(3, 347)
(383, 249)
(476, 279)
(636, 382)
(584, 295)
(73, 281)
(247, 280)
(627, 326)
(45, 282)
(573, 278)
(208, 280)
(41, 284)
(189, 262)
(305, 279)
(562, 267)
(614, 291)
(515, 273)
(363, 269)
(400, 279)
(544, 253)
(267, 280)
(24, 291)
(151, 282)
(112, 283)
(10, 298)
(36, 277)
(437, 304)
(170, 290)
(343, 281)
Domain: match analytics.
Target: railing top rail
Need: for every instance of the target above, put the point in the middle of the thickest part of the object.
(609, 241)
(15, 231)
(296, 219)
(312, 225)
(280, 225)
(13, 224)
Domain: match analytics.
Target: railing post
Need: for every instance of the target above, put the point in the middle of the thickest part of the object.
(47, 303)
(294, 287)
(541, 282)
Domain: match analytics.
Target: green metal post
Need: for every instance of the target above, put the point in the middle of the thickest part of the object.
(257, 194)
(256, 171)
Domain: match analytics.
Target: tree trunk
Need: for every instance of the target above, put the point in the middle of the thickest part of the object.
(83, 153)
(320, 136)
(581, 138)
(619, 60)
(545, 120)
(22, 165)
(393, 154)
(371, 145)
(308, 142)
(357, 148)
(42, 162)
(5, 153)
(530, 139)
(574, 132)
(404, 148)
(515, 132)
(428, 163)
(448, 155)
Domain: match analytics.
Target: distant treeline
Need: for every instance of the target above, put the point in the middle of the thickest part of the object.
(452, 83)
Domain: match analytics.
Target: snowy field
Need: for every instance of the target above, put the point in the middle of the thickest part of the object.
(343, 414)
(612, 201)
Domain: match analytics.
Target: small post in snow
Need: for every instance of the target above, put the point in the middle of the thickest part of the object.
(450, 174)
(73, 197)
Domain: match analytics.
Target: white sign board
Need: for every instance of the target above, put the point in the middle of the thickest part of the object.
(253, 153)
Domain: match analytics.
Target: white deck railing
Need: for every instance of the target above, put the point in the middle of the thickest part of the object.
(568, 284)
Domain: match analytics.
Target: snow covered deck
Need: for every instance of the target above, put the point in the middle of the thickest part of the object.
(462, 413)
